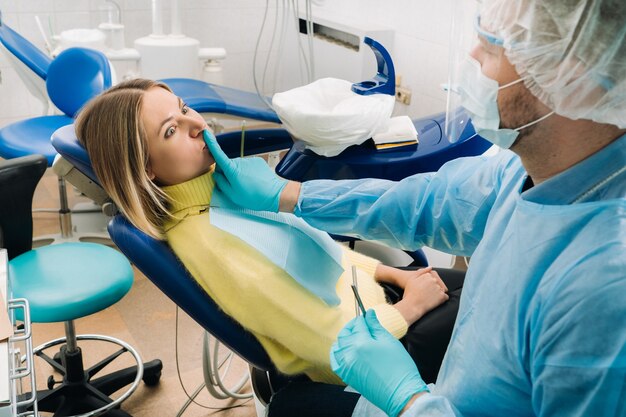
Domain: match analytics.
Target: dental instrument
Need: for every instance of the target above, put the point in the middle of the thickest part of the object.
(358, 306)
(361, 309)
(243, 137)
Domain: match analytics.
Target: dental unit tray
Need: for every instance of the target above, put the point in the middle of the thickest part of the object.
(365, 161)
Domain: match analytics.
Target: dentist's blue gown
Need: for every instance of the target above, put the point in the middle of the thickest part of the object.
(541, 329)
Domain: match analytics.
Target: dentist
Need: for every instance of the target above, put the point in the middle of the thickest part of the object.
(540, 329)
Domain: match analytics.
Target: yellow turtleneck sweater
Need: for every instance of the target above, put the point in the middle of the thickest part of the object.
(295, 327)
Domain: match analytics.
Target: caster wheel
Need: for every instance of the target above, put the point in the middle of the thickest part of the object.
(152, 380)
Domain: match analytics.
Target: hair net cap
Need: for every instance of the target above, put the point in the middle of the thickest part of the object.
(571, 53)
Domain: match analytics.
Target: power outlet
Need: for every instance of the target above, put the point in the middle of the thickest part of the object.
(403, 95)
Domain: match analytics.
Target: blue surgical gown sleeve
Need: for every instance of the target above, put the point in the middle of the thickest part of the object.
(446, 210)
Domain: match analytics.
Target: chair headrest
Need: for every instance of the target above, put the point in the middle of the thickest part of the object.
(75, 76)
(66, 143)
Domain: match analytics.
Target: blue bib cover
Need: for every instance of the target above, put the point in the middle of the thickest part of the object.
(309, 255)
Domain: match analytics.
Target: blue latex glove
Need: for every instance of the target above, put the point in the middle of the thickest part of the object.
(218, 199)
(248, 182)
(369, 359)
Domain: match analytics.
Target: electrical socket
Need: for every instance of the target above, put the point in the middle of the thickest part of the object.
(403, 95)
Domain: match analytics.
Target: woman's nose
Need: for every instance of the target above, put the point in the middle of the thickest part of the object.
(196, 127)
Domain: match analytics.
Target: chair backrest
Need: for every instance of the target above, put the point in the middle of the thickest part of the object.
(25, 51)
(75, 76)
(30, 63)
(18, 179)
(157, 261)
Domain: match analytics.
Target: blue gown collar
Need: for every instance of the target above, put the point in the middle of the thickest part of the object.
(565, 187)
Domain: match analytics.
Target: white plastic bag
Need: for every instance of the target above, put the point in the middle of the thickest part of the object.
(328, 116)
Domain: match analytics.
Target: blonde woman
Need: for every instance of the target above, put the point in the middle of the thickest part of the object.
(146, 147)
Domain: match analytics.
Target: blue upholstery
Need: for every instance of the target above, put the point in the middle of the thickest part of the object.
(210, 98)
(72, 78)
(70, 280)
(25, 51)
(75, 76)
(31, 136)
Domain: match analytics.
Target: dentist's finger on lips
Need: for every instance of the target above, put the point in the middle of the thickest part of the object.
(218, 154)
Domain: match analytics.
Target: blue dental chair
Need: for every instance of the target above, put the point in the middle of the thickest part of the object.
(71, 79)
(156, 260)
(205, 97)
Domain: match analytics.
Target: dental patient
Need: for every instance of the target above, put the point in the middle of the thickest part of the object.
(285, 282)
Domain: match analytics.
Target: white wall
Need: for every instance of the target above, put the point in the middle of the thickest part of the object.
(420, 49)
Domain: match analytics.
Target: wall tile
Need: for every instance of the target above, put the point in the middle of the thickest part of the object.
(73, 5)
(15, 100)
(29, 30)
(11, 19)
(8, 6)
(35, 5)
(71, 20)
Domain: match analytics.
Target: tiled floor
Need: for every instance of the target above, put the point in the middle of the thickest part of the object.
(144, 318)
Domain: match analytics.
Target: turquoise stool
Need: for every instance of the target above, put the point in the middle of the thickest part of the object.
(65, 282)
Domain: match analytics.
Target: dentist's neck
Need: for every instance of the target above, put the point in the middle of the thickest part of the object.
(560, 143)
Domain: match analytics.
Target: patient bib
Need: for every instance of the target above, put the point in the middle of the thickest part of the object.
(308, 255)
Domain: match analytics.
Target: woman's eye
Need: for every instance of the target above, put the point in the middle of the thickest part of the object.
(170, 131)
(185, 109)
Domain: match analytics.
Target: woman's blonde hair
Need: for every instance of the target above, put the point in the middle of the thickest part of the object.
(111, 130)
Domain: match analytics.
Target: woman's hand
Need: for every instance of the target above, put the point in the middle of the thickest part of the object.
(398, 277)
(421, 294)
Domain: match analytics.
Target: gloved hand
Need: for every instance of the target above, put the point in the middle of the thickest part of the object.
(369, 359)
(218, 199)
(248, 182)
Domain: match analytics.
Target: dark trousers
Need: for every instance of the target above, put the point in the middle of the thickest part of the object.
(426, 341)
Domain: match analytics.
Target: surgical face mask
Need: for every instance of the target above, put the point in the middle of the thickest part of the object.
(479, 95)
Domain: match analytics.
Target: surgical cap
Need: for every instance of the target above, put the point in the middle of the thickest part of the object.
(570, 53)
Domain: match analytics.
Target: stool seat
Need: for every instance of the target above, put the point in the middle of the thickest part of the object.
(70, 280)
(31, 136)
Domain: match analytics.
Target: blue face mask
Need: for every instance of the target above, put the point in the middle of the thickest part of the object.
(479, 95)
